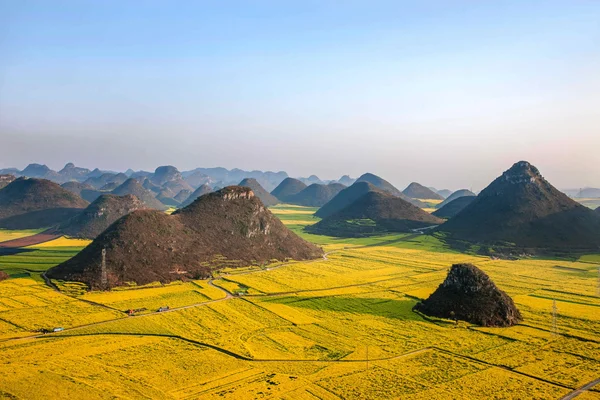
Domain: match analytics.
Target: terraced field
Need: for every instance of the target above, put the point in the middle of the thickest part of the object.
(337, 328)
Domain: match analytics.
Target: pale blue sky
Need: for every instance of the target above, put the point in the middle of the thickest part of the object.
(447, 93)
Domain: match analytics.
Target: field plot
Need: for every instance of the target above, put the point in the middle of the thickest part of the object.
(337, 328)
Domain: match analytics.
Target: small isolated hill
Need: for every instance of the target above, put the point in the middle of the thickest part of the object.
(521, 209)
(456, 195)
(40, 171)
(99, 215)
(384, 185)
(346, 197)
(267, 198)
(70, 172)
(227, 228)
(380, 183)
(288, 188)
(346, 180)
(375, 212)
(417, 191)
(444, 193)
(469, 294)
(449, 210)
(132, 186)
(316, 195)
(201, 191)
(165, 174)
(6, 179)
(109, 187)
(28, 203)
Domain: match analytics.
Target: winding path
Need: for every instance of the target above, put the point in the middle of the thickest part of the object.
(582, 389)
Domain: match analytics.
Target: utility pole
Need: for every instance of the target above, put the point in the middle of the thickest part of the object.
(103, 274)
(554, 323)
(367, 357)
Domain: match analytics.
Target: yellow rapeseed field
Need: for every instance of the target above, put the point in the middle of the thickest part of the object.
(336, 328)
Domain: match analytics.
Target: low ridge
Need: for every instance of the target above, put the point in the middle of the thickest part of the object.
(374, 213)
(227, 228)
(99, 215)
(384, 185)
(468, 294)
(288, 188)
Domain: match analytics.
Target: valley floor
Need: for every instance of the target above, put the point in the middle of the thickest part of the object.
(337, 328)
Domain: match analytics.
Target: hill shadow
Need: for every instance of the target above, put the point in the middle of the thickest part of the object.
(388, 308)
(11, 251)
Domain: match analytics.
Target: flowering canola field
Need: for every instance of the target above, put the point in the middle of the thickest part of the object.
(337, 328)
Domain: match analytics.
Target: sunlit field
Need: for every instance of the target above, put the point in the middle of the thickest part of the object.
(341, 327)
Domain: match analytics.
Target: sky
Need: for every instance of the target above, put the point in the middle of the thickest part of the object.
(446, 93)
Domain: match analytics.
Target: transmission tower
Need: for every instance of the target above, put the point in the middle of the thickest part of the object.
(554, 323)
(103, 274)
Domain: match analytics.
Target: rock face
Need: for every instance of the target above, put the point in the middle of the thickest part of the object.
(99, 215)
(132, 186)
(267, 198)
(201, 191)
(6, 179)
(28, 203)
(417, 191)
(470, 295)
(288, 188)
(452, 208)
(456, 195)
(316, 195)
(227, 228)
(520, 209)
(374, 213)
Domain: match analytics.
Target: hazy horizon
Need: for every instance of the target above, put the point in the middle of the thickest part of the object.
(448, 95)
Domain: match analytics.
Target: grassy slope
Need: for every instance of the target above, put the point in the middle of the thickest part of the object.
(326, 310)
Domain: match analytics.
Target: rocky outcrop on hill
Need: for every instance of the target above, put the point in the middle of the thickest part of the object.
(267, 198)
(468, 294)
(227, 228)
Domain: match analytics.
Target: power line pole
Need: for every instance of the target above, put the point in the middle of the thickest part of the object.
(554, 323)
(367, 357)
(103, 274)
